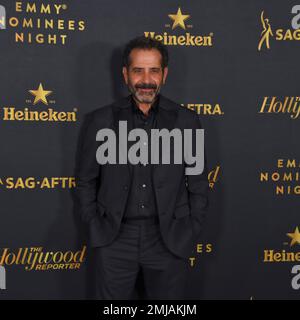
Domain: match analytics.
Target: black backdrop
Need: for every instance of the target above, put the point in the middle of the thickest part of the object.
(226, 81)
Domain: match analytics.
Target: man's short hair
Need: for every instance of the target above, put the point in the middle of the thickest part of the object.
(143, 42)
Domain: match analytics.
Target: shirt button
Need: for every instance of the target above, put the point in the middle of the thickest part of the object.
(144, 186)
(142, 206)
(145, 143)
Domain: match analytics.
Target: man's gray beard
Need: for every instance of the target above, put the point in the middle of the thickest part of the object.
(144, 98)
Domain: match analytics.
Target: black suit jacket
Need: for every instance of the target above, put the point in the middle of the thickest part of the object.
(102, 190)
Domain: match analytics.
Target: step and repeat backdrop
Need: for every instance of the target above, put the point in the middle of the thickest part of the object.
(235, 63)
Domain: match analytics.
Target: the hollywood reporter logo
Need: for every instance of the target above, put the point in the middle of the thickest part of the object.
(185, 144)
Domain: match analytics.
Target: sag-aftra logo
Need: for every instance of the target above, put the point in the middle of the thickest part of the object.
(270, 34)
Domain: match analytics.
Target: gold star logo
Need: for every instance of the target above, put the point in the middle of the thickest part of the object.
(179, 19)
(40, 95)
(294, 236)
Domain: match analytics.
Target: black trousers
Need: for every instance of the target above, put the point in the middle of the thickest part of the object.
(139, 247)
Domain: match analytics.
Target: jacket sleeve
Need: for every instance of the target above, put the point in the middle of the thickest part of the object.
(87, 170)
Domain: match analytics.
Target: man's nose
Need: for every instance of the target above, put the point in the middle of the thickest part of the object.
(146, 77)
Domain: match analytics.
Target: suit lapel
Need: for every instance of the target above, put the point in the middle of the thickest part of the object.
(166, 119)
(122, 112)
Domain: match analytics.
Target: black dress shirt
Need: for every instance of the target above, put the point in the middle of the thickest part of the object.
(141, 200)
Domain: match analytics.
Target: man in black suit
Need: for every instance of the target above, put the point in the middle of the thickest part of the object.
(141, 217)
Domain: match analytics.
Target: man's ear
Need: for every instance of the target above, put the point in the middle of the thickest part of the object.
(125, 74)
(165, 74)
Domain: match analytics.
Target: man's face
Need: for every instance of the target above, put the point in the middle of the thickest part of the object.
(144, 76)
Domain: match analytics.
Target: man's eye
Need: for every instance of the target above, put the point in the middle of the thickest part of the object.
(155, 70)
